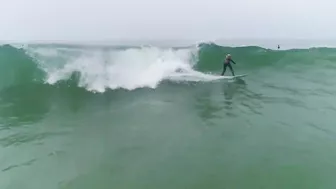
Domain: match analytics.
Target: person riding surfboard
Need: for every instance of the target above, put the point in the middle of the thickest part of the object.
(227, 63)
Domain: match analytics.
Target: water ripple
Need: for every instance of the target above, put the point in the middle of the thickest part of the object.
(23, 138)
(19, 165)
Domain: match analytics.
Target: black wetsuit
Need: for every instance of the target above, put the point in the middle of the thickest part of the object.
(228, 64)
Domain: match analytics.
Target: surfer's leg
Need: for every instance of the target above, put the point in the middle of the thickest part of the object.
(224, 69)
(231, 69)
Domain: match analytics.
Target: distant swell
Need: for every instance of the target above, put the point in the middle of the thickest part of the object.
(102, 68)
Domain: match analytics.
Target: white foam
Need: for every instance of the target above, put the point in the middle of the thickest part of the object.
(129, 69)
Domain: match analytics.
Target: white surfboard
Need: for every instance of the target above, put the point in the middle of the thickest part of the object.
(239, 76)
(234, 77)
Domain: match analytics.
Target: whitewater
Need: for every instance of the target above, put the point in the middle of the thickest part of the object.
(99, 69)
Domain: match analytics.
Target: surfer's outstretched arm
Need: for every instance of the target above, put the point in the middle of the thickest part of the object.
(233, 61)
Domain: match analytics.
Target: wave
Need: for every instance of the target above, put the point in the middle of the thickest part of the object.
(101, 68)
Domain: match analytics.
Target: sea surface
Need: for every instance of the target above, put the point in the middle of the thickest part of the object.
(76, 116)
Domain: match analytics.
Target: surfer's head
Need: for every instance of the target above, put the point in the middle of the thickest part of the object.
(228, 56)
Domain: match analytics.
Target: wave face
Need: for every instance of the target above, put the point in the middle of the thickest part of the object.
(17, 68)
(101, 68)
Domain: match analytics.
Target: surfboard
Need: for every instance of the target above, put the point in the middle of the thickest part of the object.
(239, 76)
(234, 77)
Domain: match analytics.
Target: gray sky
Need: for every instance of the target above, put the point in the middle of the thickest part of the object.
(160, 19)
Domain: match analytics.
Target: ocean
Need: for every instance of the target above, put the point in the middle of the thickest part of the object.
(76, 116)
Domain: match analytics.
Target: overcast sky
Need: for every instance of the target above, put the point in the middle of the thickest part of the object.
(161, 19)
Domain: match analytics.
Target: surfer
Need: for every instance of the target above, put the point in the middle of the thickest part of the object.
(227, 63)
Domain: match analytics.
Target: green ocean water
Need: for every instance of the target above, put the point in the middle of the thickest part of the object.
(103, 117)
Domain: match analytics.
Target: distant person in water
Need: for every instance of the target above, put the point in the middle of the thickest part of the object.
(227, 63)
